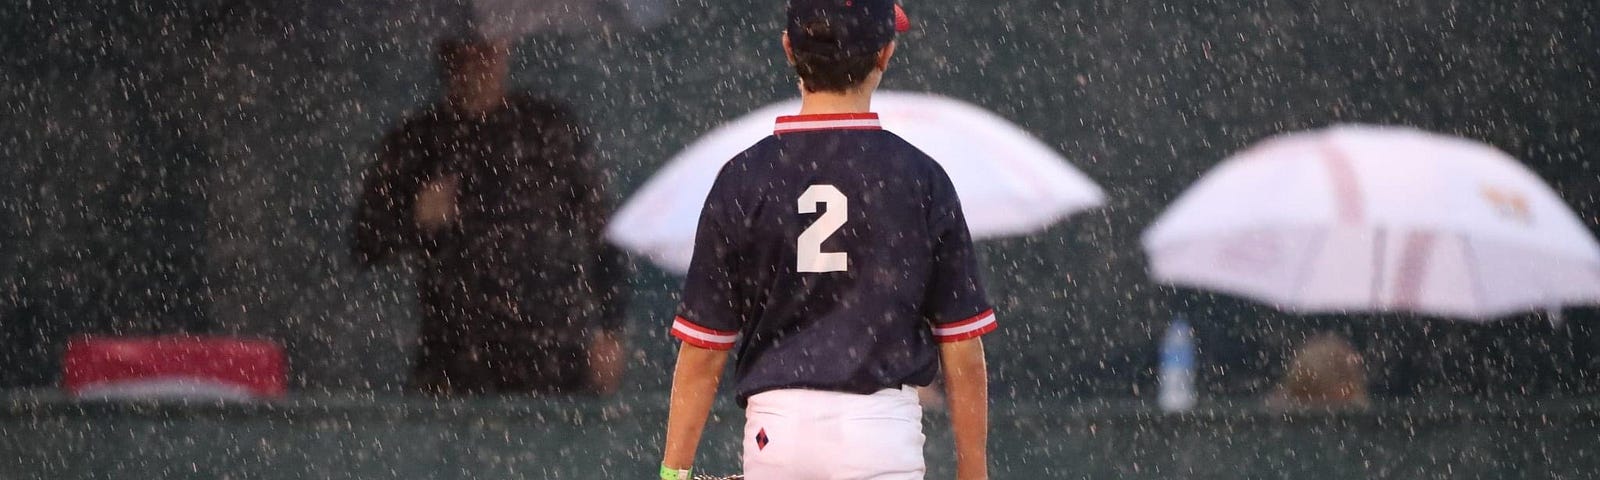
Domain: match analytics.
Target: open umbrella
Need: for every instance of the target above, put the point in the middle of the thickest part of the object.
(515, 18)
(1366, 218)
(1009, 182)
(430, 20)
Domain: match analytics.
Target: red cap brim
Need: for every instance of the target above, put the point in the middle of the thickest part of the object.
(901, 22)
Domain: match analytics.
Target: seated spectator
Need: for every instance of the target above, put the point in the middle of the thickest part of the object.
(1325, 372)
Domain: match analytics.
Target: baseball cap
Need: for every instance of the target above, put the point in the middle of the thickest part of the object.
(845, 25)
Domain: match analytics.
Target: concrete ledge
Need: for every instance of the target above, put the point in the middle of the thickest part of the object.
(46, 436)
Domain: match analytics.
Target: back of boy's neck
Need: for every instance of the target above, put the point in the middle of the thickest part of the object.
(821, 103)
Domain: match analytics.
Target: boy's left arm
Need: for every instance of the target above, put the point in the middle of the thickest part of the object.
(694, 387)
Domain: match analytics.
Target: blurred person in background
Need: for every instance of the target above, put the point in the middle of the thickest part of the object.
(1325, 372)
(498, 198)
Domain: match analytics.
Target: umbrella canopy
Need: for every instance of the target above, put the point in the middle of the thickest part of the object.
(1009, 182)
(515, 18)
(1366, 218)
(432, 20)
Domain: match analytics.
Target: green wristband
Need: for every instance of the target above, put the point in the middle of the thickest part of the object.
(669, 473)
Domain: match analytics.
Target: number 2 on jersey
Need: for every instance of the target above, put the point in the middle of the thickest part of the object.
(809, 257)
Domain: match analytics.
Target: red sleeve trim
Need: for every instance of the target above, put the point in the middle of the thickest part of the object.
(700, 336)
(967, 321)
(968, 335)
(963, 329)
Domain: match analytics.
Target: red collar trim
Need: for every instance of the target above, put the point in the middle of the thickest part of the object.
(827, 121)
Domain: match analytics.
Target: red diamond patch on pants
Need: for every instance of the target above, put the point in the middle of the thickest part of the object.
(761, 439)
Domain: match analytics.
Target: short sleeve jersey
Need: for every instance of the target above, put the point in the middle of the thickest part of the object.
(834, 255)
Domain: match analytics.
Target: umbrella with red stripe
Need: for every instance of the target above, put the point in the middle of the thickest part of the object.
(1360, 218)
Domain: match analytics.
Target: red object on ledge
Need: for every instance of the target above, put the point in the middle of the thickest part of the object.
(177, 366)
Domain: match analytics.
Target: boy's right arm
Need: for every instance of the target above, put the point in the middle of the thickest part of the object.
(694, 387)
(966, 380)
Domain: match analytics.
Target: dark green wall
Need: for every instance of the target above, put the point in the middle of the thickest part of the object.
(394, 438)
(182, 166)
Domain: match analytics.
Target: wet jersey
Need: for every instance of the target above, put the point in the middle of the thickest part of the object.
(834, 255)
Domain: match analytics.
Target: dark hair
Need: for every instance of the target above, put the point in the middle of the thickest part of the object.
(456, 52)
(836, 69)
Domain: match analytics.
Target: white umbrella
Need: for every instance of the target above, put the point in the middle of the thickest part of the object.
(1365, 218)
(1009, 182)
(516, 18)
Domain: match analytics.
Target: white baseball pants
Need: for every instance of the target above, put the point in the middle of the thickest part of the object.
(820, 435)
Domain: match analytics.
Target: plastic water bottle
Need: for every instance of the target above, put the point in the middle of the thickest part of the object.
(1176, 379)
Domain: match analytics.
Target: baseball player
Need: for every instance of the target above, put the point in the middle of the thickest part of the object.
(835, 257)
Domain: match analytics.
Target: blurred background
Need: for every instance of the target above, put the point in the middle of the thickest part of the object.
(193, 167)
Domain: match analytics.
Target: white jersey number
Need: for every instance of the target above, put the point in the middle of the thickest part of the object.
(809, 257)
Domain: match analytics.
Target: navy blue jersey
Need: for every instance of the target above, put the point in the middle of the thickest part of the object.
(834, 255)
